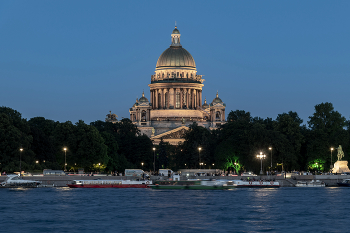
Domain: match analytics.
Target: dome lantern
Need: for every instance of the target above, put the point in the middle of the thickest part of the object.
(175, 38)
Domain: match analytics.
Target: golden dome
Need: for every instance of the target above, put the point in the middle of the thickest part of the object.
(175, 56)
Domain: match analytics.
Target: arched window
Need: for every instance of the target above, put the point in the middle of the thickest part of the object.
(217, 115)
(178, 103)
(143, 115)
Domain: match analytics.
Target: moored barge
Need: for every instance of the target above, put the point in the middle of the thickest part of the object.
(110, 184)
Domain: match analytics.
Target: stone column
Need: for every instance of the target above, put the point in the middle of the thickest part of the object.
(200, 98)
(152, 98)
(156, 99)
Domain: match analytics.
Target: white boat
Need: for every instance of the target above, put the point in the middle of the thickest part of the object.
(253, 184)
(313, 183)
(17, 181)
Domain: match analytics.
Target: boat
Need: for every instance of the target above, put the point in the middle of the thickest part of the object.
(313, 183)
(192, 184)
(344, 183)
(99, 183)
(13, 181)
(253, 184)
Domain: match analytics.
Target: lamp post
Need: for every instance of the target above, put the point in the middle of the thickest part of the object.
(65, 157)
(270, 148)
(199, 154)
(20, 161)
(154, 160)
(142, 165)
(261, 157)
(331, 157)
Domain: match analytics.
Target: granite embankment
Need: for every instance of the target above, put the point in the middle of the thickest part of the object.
(62, 181)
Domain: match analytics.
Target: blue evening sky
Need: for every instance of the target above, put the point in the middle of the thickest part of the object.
(72, 60)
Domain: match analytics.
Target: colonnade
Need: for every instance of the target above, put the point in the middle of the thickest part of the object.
(176, 98)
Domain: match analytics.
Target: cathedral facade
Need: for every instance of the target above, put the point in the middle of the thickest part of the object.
(175, 98)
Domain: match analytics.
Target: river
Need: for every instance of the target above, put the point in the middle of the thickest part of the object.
(146, 210)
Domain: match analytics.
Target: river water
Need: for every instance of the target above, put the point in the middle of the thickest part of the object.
(147, 210)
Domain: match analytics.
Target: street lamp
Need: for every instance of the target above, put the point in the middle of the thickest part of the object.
(142, 165)
(270, 148)
(65, 157)
(261, 157)
(20, 161)
(331, 157)
(99, 170)
(154, 160)
(199, 154)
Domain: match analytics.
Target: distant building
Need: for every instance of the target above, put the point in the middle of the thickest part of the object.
(111, 117)
(176, 98)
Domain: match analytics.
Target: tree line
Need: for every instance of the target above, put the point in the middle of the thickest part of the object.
(108, 147)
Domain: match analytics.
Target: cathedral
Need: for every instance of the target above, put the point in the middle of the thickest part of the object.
(175, 98)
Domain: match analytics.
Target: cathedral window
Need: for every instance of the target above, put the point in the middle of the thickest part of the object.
(177, 100)
(143, 115)
(218, 115)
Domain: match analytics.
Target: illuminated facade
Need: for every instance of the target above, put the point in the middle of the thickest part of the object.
(175, 98)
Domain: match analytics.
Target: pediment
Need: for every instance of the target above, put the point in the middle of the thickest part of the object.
(177, 133)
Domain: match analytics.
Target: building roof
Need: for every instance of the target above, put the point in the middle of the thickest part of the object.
(176, 31)
(143, 98)
(217, 100)
(176, 57)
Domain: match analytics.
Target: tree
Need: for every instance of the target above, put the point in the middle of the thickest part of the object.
(327, 129)
(289, 126)
(14, 134)
(133, 148)
(42, 131)
(90, 147)
(163, 157)
(197, 137)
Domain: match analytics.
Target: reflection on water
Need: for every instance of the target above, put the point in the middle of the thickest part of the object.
(147, 210)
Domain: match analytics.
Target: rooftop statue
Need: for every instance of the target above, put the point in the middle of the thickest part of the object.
(340, 153)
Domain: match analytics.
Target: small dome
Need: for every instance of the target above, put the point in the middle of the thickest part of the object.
(175, 56)
(176, 31)
(217, 99)
(143, 98)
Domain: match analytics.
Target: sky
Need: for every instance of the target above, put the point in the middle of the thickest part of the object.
(78, 60)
